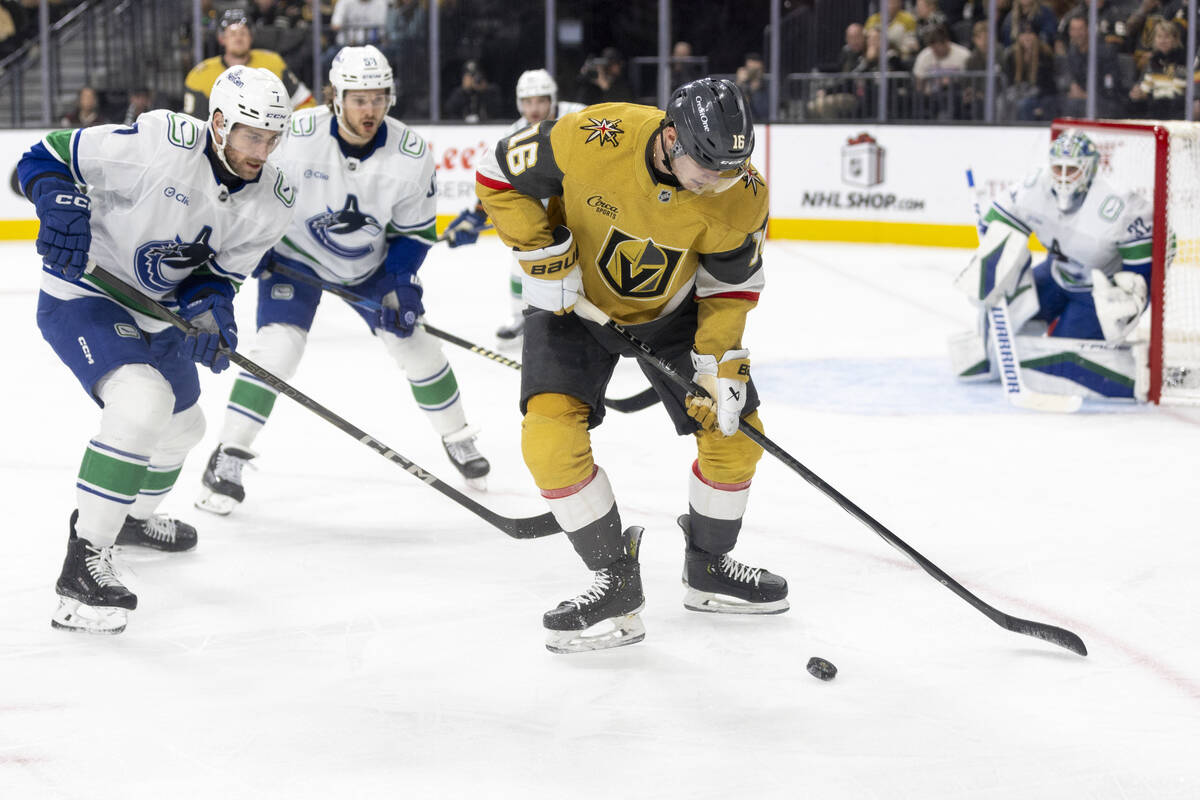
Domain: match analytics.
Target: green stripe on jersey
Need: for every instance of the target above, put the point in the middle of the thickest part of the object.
(59, 144)
(437, 393)
(112, 475)
(994, 214)
(254, 397)
(1136, 252)
(428, 234)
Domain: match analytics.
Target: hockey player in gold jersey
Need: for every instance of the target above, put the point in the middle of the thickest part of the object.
(658, 219)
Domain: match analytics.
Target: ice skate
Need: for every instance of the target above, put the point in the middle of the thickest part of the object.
(222, 482)
(510, 335)
(606, 615)
(460, 447)
(718, 583)
(159, 532)
(91, 599)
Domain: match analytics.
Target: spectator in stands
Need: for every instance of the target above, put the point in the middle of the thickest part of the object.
(975, 92)
(838, 98)
(355, 22)
(474, 99)
(1112, 22)
(602, 79)
(866, 89)
(1139, 27)
(236, 38)
(1160, 93)
(1108, 98)
(1029, 67)
(275, 26)
(751, 78)
(140, 101)
(12, 26)
(684, 68)
(935, 71)
(902, 29)
(929, 16)
(87, 110)
(1028, 12)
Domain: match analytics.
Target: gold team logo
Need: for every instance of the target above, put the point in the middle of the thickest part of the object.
(606, 130)
(637, 267)
(752, 180)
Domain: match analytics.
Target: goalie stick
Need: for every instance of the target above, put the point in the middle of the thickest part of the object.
(1000, 332)
(1040, 630)
(626, 405)
(519, 528)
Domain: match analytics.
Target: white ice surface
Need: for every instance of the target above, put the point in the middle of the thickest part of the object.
(350, 633)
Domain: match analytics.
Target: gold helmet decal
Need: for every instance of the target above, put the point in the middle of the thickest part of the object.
(637, 267)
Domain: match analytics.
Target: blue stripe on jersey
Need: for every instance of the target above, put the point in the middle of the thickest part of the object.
(75, 157)
(1012, 219)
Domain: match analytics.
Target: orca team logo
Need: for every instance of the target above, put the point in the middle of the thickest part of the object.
(638, 268)
(347, 232)
(160, 265)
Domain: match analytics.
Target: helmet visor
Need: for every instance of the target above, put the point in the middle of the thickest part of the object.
(257, 143)
(701, 180)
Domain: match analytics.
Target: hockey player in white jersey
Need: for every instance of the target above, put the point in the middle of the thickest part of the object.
(1075, 313)
(365, 219)
(183, 210)
(537, 100)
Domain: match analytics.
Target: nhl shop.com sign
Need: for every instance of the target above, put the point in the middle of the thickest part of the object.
(863, 165)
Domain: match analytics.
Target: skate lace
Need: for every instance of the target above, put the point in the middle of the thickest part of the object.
(463, 452)
(739, 571)
(160, 527)
(100, 566)
(229, 467)
(600, 585)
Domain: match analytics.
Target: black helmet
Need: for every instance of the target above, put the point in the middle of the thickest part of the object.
(713, 124)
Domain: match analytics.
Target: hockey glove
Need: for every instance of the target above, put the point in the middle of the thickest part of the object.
(65, 232)
(725, 381)
(552, 278)
(212, 319)
(1119, 302)
(401, 308)
(466, 227)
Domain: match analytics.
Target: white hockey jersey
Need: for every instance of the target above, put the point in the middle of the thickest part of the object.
(564, 108)
(1110, 231)
(158, 211)
(348, 208)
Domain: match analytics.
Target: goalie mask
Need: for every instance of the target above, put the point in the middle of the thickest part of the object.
(1073, 164)
(360, 68)
(714, 135)
(537, 83)
(253, 97)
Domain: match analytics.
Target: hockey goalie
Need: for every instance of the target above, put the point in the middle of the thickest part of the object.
(1076, 313)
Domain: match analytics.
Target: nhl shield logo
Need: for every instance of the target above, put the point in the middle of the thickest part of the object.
(637, 268)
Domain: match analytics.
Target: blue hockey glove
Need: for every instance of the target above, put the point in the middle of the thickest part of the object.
(400, 316)
(65, 232)
(212, 317)
(466, 227)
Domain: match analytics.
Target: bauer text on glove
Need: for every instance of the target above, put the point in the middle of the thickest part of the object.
(552, 280)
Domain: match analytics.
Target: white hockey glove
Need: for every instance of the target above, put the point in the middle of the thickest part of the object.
(552, 279)
(725, 381)
(1119, 302)
(995, 267)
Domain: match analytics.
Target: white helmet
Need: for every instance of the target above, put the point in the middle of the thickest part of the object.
(537, 83)
(360, 68)
(249, 96)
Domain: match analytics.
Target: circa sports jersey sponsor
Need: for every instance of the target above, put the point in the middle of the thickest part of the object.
(604, 130)
(347, 232)
(598, 203)
(161, 264)
(637, 267)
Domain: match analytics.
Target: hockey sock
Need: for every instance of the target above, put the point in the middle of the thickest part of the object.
(277, 348)
(184, 432)
(716, 511)
(430, 377)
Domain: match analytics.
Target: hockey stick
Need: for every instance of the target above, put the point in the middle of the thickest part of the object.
(519, 528)
(1040, 630)
(999, 328)
(626, 405)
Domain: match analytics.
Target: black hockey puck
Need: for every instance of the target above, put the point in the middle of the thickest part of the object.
(820, 668)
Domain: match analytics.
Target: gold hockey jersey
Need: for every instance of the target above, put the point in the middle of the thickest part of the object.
(644, 246)
(199, 81)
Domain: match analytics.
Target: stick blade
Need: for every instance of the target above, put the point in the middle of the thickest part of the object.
(1047, 633)
(1053, 403)
(531, 527)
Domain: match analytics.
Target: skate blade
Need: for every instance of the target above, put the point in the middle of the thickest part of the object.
(478, 484)
(76, 617)
(213, 503)
(712, 603)
(604, 635)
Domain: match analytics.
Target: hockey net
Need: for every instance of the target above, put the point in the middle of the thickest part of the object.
(1161, 161)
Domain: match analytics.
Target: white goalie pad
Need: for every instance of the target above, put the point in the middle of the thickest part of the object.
(1086, 367)
(996, 265)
